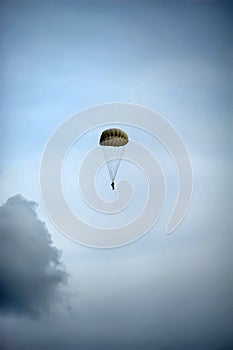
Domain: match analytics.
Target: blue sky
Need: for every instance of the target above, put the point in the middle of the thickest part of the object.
(59, 57)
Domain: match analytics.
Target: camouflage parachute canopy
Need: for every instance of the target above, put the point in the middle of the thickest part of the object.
(113, 137)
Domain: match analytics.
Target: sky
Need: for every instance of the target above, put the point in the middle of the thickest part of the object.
(162, 292)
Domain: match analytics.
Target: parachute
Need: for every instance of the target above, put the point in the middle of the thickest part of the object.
(113, 143)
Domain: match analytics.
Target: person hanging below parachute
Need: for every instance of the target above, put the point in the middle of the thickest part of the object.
(113, 143)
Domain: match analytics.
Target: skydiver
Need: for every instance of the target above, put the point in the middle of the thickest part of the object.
(112, 184)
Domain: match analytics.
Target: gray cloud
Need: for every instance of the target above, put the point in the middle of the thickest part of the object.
(30, 269)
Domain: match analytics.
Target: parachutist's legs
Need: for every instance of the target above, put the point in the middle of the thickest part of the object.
(112, 184)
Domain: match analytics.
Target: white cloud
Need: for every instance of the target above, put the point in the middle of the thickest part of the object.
(30, 267)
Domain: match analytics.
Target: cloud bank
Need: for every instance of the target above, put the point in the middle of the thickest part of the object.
(30, 268)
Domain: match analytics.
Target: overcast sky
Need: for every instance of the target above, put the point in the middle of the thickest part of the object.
(161, 292)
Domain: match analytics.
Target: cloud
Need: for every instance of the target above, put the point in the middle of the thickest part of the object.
(30, 267)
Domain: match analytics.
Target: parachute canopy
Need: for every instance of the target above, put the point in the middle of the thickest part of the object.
(113, 137)
(113, 143)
